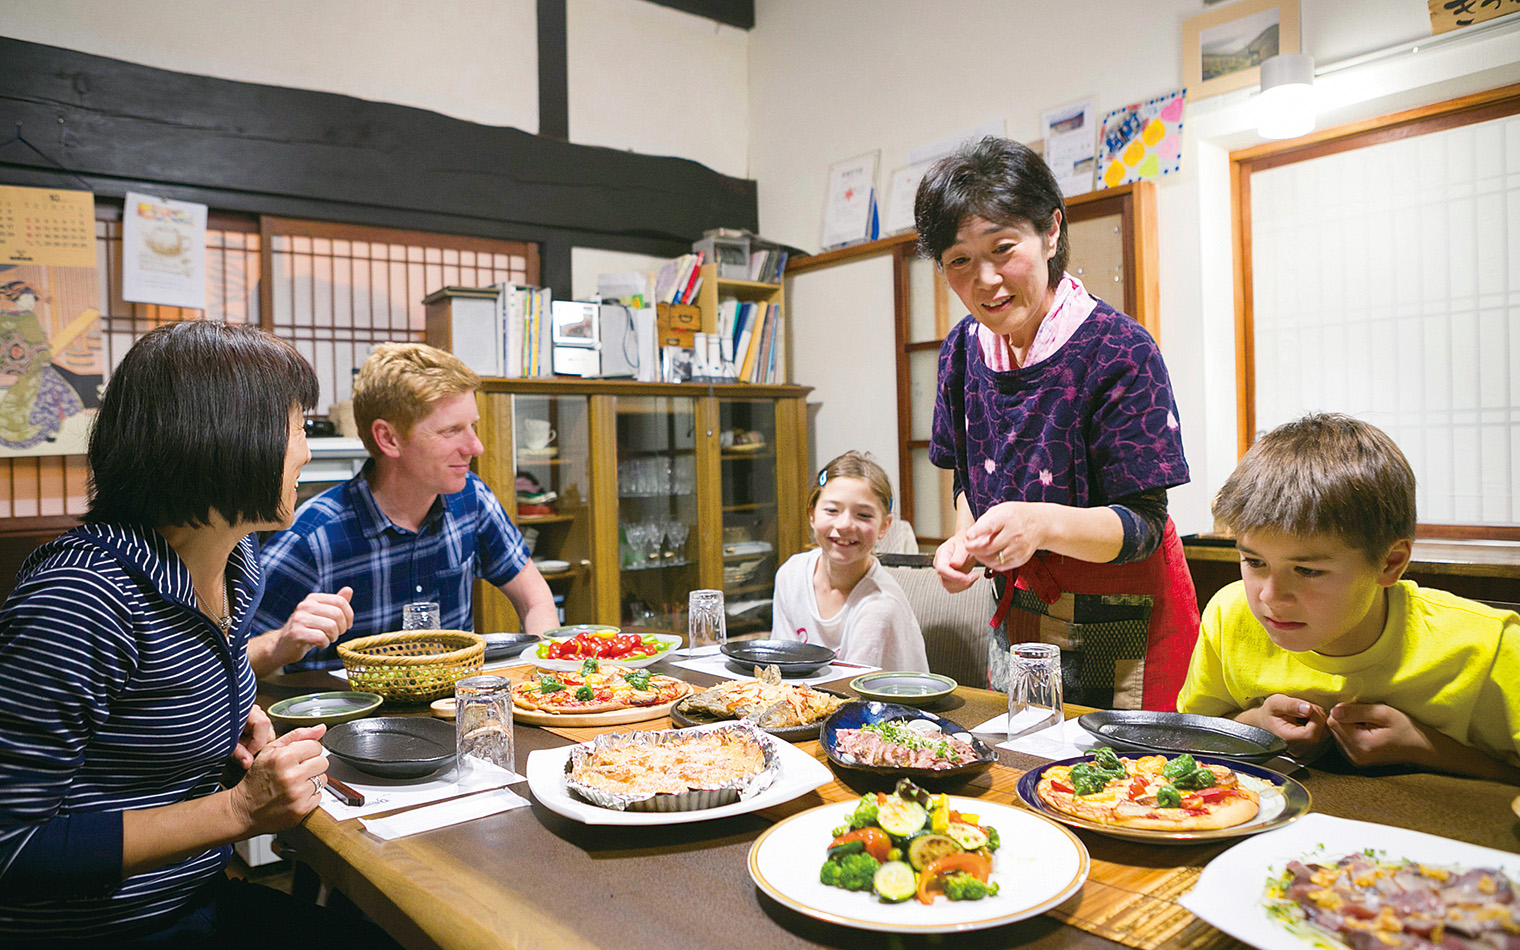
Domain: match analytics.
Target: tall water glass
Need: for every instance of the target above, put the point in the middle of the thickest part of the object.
(1034, 688)
(420, 615)
(483, 722)
(706, 624)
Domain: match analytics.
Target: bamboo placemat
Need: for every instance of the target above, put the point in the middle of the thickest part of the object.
(1131, 892)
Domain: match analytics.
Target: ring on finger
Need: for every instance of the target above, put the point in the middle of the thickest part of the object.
(316, 784)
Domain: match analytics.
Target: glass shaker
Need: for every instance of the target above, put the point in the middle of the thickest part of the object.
(483, 722)
(706, 624)
(1034, 688)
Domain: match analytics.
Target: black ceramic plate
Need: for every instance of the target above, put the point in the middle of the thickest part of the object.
(857, 714)
(1138, 730)
(499, 646)
(393, 746)
(794, 657)
(686, 718)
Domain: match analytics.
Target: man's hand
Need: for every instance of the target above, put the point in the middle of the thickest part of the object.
(1300, 723)
(318, 621)
(257, 733)
(956, 568)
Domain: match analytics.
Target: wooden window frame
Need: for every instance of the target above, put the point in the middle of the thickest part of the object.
(1466, 110)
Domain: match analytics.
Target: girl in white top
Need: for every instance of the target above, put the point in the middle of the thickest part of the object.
(838, 595)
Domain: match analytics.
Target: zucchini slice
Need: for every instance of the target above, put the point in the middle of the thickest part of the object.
(923, 850)
(968, 836)
(899, 818)
(895, 882)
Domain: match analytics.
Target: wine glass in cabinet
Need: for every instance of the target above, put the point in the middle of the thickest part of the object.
(657, 537)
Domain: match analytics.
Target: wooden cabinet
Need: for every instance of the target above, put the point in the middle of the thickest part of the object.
(644, 492)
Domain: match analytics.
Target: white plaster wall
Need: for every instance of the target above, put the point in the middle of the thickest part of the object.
(658, 81)
(833, 80)
(471, 59)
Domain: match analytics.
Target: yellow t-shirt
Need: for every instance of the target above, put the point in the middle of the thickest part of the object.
(1447, 662)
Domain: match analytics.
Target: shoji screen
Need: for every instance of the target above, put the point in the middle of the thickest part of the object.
(1387, 285)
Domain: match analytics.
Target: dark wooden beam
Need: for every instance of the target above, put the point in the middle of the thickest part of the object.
(740, 13)
(553, 71)
(243, 146)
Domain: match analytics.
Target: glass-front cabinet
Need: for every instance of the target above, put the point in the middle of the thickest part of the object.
(635, 494)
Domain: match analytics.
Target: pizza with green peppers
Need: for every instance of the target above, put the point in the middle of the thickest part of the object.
(1152, 792)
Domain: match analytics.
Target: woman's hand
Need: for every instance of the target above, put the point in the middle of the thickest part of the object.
(257, 733)
(278, 790)
(956, 568)
(1300, 723)
(1007, 534)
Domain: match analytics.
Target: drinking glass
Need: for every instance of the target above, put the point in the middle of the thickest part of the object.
(420, 615)
(1034, 688)
(706, 624)
(675, 537)
(483, 722)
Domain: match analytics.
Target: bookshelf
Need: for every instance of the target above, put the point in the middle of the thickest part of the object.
(715, 289)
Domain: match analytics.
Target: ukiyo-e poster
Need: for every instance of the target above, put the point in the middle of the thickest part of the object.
(51, 358)
(1141, 141)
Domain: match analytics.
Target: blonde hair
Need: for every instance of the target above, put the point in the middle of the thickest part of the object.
(859, 465)
(1326, 473)
(400, 382)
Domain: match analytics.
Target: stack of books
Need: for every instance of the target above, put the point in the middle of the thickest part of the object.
(754, 330)
(766, 264)
(679, 280)
(525, 330)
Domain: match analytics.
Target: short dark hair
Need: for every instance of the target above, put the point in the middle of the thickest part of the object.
(1326, 473)
(197, 418)
(995, 179)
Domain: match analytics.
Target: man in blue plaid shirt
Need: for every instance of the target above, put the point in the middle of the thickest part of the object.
(414, 525)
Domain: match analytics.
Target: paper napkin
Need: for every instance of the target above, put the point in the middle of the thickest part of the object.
(389, 794)
(443, 814)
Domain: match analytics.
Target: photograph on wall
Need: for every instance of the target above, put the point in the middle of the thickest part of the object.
(1223, 49)
(51, 354)
(1141, 141)
(1069, 135)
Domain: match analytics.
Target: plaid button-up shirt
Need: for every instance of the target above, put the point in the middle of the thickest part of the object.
(342, 538)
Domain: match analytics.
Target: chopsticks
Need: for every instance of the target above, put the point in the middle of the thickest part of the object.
(344, 793)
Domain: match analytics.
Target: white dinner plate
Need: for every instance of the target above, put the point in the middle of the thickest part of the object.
(1039, 865)
(531, 654)
(551, 565)
(1229, 892)
(798, 774)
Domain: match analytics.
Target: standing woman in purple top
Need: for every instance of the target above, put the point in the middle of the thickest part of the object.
(1056, 414)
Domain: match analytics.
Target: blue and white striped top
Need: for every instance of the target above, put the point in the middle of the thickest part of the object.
(116, 693)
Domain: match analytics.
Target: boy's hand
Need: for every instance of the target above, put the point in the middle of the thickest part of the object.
(1374, 734)
(1301, 724)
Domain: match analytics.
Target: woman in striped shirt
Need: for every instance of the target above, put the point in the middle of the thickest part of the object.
(125, 688)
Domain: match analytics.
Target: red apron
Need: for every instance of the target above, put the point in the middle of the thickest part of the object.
(1135, 623)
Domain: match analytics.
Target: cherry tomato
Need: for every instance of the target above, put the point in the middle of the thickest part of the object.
(876, 841)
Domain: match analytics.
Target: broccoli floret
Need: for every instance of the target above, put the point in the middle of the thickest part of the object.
(829, 873)
(965, 887)
(865, 813)
(856, 871)
(993, 842)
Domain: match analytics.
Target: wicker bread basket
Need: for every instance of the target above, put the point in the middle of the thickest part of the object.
(415, 666)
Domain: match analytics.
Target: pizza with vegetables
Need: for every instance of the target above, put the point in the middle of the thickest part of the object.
(1152, 792)
(911, 844)
(597, 687)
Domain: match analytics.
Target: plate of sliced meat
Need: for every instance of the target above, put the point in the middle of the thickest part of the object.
(785, 710)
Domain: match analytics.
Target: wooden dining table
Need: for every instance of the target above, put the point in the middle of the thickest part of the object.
(531, 879)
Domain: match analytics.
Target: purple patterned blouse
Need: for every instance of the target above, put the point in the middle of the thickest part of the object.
(1093, 423)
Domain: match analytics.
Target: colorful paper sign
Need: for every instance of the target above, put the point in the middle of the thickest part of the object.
(1141, 141)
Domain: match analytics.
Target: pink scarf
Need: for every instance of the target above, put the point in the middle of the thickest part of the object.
(1072, 306)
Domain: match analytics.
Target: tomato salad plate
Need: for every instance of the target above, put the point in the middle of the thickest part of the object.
(1281, 801)
(1037, 865)
(567, 653)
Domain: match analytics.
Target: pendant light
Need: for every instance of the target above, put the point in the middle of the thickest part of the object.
(1285, 108)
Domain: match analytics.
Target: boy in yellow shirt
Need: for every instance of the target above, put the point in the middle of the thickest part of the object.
(1322, 643)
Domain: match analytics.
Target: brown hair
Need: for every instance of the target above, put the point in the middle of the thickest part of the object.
(400, 382)
(854, 464)
(1326, 473)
